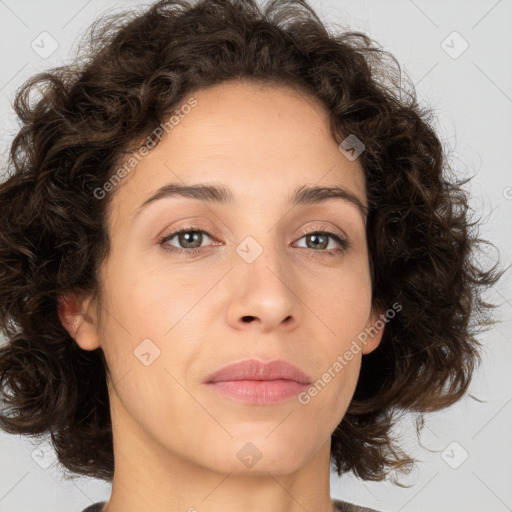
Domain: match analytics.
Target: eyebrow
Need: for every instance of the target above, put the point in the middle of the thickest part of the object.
(216, 193)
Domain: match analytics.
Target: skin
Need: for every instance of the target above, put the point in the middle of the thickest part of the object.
(176, 441)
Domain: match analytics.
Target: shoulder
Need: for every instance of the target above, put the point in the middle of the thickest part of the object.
(95, 507)
(345, 506)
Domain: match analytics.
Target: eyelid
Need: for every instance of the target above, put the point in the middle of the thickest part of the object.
(192, 226)
(187, 226)
(323, 227)
(331, 232)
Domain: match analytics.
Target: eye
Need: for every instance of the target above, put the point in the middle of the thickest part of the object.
(319, 241)
(190, 241)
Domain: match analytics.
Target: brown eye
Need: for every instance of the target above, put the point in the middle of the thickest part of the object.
(319, 241)
(188, 240)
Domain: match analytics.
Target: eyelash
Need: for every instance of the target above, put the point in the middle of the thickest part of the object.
(338, 237)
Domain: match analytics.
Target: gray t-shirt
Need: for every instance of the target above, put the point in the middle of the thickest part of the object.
(343, 506)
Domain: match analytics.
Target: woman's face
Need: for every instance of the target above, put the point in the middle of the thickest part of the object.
(263, 283)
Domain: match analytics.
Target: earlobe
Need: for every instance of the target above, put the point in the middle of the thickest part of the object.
(374, 331)
(79, 319)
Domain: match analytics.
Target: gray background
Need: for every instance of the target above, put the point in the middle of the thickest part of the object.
(472, 96)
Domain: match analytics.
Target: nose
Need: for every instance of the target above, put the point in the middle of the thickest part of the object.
(262, 295)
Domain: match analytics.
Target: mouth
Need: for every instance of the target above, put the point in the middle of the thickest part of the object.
(258, 392)
(254, 382)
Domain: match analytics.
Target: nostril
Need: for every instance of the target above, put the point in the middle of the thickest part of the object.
(248, 318)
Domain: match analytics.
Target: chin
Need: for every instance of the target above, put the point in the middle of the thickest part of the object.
(260, 455)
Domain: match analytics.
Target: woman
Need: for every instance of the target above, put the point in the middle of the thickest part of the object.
(230, 253)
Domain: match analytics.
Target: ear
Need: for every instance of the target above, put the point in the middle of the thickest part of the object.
(78, 316)
(372, 335)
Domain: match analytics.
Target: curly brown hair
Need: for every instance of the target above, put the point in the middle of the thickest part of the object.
(131, 71)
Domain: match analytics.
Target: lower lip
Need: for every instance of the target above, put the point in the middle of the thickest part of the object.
(260, 392)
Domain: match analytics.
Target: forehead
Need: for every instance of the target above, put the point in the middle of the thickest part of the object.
(262, 141)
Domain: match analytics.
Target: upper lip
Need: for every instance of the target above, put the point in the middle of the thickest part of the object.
(252, 369)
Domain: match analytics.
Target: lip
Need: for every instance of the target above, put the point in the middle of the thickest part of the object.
(256, 382)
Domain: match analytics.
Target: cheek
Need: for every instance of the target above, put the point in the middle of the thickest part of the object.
(343, 309)
(341, 299)
(146, 331)
(146, 300)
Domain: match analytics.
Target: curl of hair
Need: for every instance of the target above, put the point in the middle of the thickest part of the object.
(133, 71)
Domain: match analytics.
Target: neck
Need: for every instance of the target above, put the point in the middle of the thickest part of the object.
(147, 477)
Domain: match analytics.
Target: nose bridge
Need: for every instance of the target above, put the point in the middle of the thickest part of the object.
(260, 240)
(262, 256)
(262, 282)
